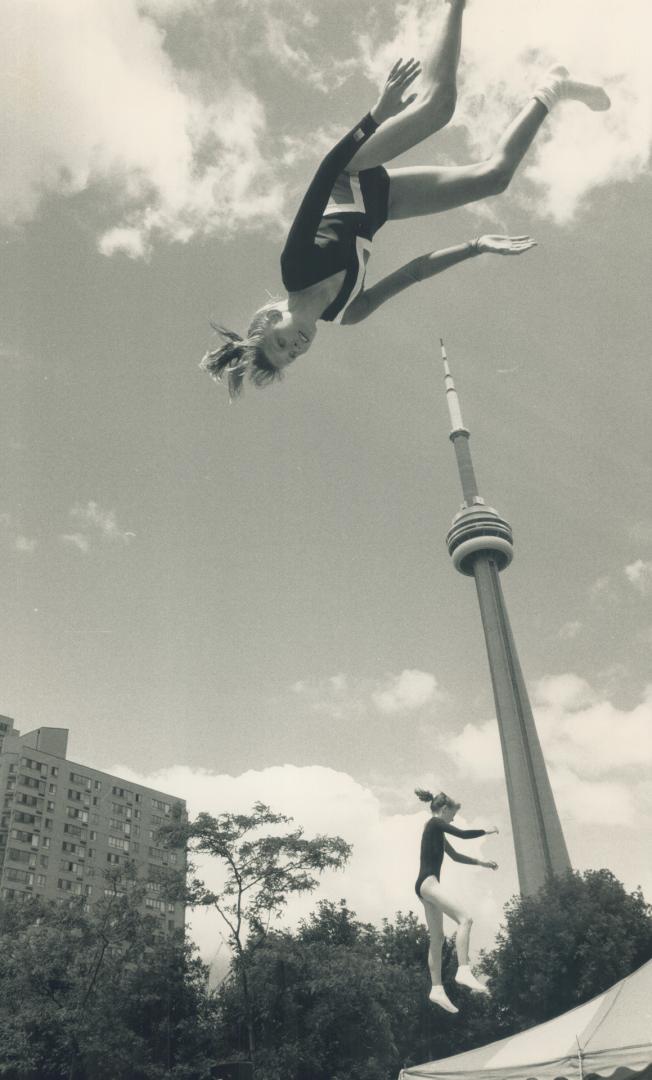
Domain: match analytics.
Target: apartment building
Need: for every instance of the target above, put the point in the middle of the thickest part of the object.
(62, 824)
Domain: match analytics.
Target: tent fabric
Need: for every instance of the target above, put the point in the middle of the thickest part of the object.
(609, 1036)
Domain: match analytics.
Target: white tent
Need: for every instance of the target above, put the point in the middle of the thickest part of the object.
(611, 1036)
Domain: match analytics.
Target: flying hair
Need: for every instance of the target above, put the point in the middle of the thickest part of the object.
(240, 356)
(437, 802)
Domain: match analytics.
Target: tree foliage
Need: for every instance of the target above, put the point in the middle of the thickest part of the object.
(262, 867)
(340, 999)
(101, 994)
(574, 939)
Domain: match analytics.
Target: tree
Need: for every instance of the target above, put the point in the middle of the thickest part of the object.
(260, 872)
(101, 994)
(340, 999)
(580, 934)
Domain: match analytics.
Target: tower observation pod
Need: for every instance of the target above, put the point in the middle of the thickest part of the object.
(480, 543)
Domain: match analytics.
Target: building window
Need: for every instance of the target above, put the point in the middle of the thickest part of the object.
(73, 887)
(97, 784)
(54, 771)
(158, 804)
(41, 880)
(93, 835)
(17, 855)
(43, 861)
(49, 806)
(113, 859)
(48, 823)
(25, 877)
(79, 778)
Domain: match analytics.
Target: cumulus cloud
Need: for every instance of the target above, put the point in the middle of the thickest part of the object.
(507, 46)
(410, 690)
(584, 738)
(92, 96)
(639, 575)
(379, 879)
(341, 696)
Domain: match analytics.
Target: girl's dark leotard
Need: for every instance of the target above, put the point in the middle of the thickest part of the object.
(327, 237)
(432, 847)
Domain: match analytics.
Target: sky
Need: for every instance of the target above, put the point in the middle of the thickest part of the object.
(254, 601)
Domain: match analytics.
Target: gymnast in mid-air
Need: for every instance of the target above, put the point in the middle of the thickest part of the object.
(352, 194)
(437, 900)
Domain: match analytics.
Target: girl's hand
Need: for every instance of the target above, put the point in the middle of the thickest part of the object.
(505, 245)
(391, 100)
(490, 865)
(491, 829)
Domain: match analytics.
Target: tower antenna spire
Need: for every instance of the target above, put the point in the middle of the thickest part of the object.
(481, 545)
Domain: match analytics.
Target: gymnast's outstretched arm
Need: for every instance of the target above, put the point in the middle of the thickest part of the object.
(426, 266)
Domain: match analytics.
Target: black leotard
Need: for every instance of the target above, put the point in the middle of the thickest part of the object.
(432, 847)
(326, 238)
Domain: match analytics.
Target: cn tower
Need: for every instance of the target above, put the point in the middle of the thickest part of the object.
(481, 546)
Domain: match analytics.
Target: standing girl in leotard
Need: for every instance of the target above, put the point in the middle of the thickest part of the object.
(437, 901)
(324, 261)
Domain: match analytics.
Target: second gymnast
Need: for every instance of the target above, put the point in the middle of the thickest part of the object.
(437, 901)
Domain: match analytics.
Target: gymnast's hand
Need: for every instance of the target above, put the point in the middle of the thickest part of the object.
(505, 245)
(391, 100)
(491, 829)
(489, 865)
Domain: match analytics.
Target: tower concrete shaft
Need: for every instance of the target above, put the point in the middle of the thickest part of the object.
(480, 544)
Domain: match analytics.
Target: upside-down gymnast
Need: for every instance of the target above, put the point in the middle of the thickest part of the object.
(437, 901)
(352, 195)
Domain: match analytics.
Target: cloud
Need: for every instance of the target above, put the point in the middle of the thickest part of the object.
(402, 693)
(94, 524)
(25, 544)
(341, 697)
(584, 739)
(94, 519)
(603, 592)
(379, 879)
(570, 630)
(76, 540)
(639, 574)
(578, 151)
(97, 100)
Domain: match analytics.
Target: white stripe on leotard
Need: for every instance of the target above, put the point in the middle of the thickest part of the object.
(363, 251)
(347, 188)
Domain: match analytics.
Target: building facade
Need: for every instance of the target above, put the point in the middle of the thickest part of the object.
(62, 825)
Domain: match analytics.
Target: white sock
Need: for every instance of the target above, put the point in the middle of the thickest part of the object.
(438, 996)
(465, 977)
(558, 86)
